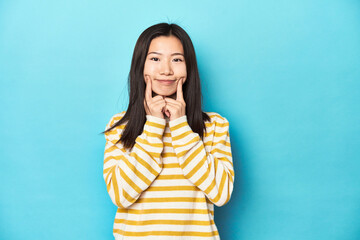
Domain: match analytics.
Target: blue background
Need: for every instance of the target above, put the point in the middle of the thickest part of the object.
(286, 74)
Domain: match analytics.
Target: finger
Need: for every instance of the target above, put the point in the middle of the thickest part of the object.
(156, 101)
(159, 101)
(166, 111)
(158, 106)
(170, 100)
(170, 107)
(157, 98)
(148, 90)
(146, 107)
(177, 106)
(179, 93)
(176, 103)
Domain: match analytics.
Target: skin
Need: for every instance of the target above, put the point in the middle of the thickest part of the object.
(165, 60)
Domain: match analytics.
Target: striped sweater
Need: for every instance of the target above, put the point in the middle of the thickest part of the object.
(165, 187)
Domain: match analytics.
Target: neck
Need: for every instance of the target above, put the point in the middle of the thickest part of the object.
(173, 96)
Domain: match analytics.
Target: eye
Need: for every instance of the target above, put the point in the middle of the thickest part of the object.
(155, 59)
(178, 60)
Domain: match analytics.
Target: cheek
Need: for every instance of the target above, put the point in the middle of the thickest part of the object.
(149, 68)
(181, 70)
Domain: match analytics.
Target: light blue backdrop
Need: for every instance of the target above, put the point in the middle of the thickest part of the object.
(286, 74)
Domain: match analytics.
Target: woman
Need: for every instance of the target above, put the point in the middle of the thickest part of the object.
(166, 163)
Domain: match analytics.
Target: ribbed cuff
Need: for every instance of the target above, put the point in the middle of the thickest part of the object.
(155, 126)
(173, 124)
(154, 119)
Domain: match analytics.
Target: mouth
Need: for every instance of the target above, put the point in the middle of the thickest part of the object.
(166, 81)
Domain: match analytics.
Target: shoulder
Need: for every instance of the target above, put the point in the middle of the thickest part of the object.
(217, 120)
(114, 133)
(115, 118)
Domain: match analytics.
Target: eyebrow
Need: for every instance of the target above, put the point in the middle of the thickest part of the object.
(161, 53)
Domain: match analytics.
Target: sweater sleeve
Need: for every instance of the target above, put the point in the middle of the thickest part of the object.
(129, 172)
(212, 172)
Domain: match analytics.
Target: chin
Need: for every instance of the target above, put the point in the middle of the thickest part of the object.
(163, 93)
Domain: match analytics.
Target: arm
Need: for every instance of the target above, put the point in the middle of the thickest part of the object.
(212, 172)
(127, 173)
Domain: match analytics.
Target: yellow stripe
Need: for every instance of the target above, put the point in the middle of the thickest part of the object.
(168, 154)
(180, 125)
(221, 151)
(129, 181)
(164, 233)
(223, 159)
(219, 134)
(220, 190)
(166, 210)
(210, 187)
(118, 116)
(182, 154)
(116, 188)
(171, 199)
(192, 156)
(224, 124)
(144, 141)
(114, 141)
(166, 177)
(207, 124)
(222, 184)
(213, 183)
(196, 168)
(167, 144)
(183, 135)
(228, 196)
(128, 197)
(115, 129)
(203, 177)
(108, 185)
(112, 132)
(137, 173)
(142, 162)
(169, 222)
(107, 169)
(223, 142)
(208, 134)
(167, 135)
(151, 154)
(154, 124)
(208, 143)
(138, 159)
(151, 134)
(195, 139)
(173, 188)
(124, 192)
(171, 165)
(111, 157)
(110, 149)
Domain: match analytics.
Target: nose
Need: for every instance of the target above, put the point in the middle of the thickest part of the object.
(166, 68)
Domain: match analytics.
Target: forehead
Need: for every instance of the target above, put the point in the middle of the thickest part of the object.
(166, 44)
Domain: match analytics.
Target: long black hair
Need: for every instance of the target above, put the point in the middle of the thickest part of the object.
(135, 114)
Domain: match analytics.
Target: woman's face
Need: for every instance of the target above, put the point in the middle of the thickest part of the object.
(165, 61)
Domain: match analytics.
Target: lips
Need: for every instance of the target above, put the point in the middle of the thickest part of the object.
(166, 81)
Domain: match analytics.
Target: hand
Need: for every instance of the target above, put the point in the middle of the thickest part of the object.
(153, 105)
(176, 108)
